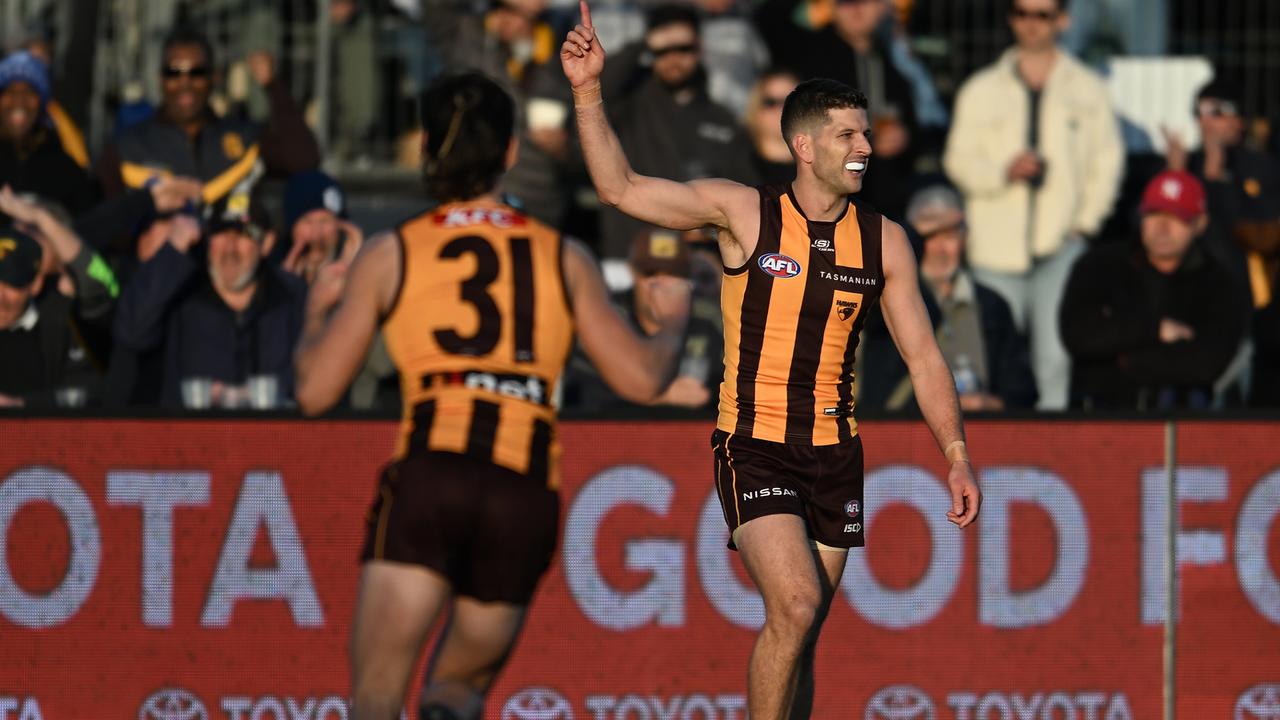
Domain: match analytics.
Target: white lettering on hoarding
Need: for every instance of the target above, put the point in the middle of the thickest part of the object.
(662, 599)
(43, 484)
(263, 503)
(157, 494)
(1198, 547)
(899, 609)
(999, 605)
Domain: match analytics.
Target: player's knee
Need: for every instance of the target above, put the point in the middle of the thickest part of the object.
(796, 614)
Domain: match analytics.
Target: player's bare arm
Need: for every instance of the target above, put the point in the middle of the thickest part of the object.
(680, 206)
(335, 341)
(935, 387)
(637, 368)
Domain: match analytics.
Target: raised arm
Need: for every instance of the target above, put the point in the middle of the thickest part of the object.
(681, 206)
(635, 367)
(335, 341)
(935, 387)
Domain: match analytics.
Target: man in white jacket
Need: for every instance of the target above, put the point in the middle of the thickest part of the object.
(1035, 148)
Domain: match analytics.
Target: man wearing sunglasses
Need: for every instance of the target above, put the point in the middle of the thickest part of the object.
(667, 121)
(185, 137)
(1242, 186)
(1036, 151)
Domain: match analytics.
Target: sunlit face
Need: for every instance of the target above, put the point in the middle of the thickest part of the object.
(944, 237)
(1166, 237)
(320, 232)
(859, 18)
(186, 80)
(19, 109)
(234, 256)
(842, 150)
(675, 53)
(1220, 119)
(1036, 24)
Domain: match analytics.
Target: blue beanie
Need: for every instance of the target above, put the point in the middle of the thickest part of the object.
(22, 66)
(312, 190)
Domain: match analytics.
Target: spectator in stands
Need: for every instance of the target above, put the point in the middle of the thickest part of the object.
(227, 331)
(186, 138)
(1035, 148)
(315, 222)
(655, 252)
(1153, 326)
(974, 326)
(853, 50)
(1243, 186)
(771, 154)
(32, 158)
(69, 134)
(56, 297)
(318, 232)
(667, 123)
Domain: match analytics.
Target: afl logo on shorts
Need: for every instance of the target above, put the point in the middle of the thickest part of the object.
(900, 702)
(1260, 702)
(172, 704)
(537, 703)
(851, 508)
(779, 265)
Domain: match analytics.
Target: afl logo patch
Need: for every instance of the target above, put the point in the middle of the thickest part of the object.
(779, 265)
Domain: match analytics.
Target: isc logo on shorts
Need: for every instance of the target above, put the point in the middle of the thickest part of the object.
(779, 265)
(768, 492)
(852, 527)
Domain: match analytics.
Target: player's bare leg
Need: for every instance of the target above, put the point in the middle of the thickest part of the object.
(832, 561)
(396, 607)
(475, 645)
(779, 557)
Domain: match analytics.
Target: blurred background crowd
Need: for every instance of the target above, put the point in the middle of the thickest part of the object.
(1092, 186)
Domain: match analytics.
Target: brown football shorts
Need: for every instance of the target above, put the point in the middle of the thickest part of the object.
(820, 483)
(489, 530)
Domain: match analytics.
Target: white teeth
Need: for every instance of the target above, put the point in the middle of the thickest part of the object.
(855, 166)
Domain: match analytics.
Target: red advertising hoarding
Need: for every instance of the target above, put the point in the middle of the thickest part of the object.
(154, 567)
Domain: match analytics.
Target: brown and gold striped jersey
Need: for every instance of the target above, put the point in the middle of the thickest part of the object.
(792, 315)
(480, 331)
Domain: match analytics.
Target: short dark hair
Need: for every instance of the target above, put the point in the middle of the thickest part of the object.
(1220, 88)
(673, 14)
(469, 120)
(812, 99)
(185, 35)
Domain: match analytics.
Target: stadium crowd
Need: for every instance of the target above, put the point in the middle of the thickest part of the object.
(1060, 271)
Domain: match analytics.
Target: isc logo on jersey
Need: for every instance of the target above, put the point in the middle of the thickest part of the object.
(779, 265)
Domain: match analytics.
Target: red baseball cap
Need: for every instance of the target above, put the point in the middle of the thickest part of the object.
(1176, 192)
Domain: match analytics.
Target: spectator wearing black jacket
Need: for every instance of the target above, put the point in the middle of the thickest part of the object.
(1153, 326)
(666, 120)
(56, 297)
(32, 159)
(227, 330)
(973, 323)
(185, 137)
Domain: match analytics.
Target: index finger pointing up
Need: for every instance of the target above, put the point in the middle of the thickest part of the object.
(586, 13)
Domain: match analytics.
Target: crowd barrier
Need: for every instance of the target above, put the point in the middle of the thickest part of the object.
(206, 569)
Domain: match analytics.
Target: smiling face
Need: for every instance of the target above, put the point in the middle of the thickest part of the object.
(185, 82)
(234, 256)
(19, 109)
(840, 150)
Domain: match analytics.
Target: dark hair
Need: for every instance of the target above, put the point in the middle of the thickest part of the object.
(185, 35)
(812, 99)
(469, 121)
(1220, 88)
(673, 14)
